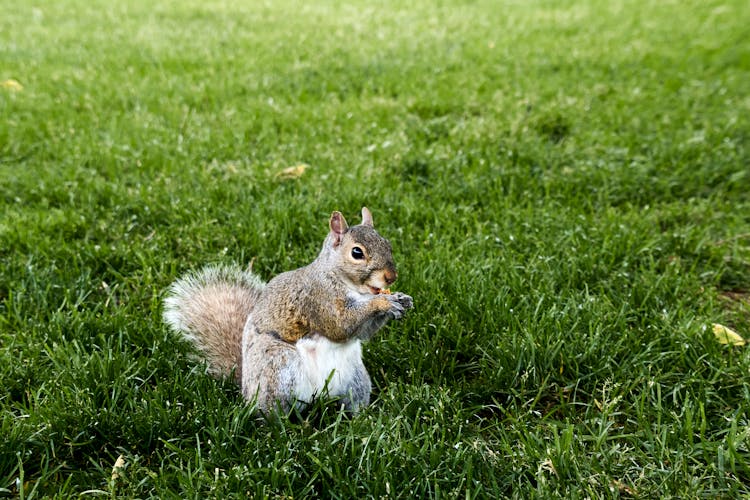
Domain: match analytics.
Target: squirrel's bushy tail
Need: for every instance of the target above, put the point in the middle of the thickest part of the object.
(209, 308)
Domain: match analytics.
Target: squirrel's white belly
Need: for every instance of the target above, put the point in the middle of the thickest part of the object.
(327, 364)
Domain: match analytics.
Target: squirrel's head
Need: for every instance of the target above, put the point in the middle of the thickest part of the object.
(362, 256)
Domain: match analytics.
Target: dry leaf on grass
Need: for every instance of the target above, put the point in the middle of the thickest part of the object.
(622, 488)
(119, 464)
(11, 84)
(294, 172)
(726, 335)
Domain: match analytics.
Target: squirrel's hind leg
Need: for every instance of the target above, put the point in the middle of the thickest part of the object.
(357, 395)
(271, 372)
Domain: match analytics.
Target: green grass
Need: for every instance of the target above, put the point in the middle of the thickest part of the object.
(565, 184)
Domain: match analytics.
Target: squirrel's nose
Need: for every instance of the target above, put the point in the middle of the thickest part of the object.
(390, 276)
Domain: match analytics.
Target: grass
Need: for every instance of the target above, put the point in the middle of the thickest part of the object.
(565, 185)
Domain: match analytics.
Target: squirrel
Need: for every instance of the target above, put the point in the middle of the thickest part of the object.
(299, 335)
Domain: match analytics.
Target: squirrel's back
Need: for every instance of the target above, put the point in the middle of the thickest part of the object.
(209, 308)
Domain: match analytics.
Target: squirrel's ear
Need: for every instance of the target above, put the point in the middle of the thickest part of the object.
(338, 227)
(366, 217)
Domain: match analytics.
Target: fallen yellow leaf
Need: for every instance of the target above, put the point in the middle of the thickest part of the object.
(622, 488)
(117, 468)
(294, 172)
(11, 84)
(727, 336)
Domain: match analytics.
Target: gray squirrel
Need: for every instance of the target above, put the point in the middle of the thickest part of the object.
(299, 335)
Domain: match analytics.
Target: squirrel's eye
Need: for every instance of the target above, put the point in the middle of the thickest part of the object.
(357, 253)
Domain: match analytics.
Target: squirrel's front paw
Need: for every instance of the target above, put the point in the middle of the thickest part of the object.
(405, 300)
(400, 302)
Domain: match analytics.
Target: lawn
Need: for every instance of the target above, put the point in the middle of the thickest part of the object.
(566, 186)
